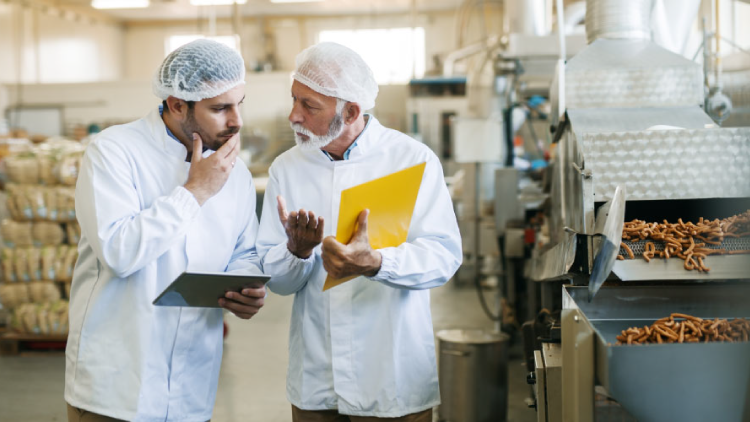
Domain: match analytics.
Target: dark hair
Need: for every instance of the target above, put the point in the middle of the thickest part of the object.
(191, 105)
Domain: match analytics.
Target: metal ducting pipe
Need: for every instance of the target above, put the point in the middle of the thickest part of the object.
(621, 19)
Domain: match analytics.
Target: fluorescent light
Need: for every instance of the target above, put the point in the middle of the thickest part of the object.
(119, 4)
(295, 1)
(216, 2)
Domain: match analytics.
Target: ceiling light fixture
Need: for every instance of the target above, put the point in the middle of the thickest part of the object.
(216, 2)
(295, 1)
(119, 4)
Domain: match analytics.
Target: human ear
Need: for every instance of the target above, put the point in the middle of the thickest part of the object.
(177, 107)
(352, 113)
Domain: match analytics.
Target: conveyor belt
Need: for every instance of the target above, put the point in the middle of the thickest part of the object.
(730, 244)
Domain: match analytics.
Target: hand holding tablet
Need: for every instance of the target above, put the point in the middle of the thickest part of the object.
(203, 290)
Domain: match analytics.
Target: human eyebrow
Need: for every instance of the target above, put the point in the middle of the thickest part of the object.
(219, 106)
(312, 103)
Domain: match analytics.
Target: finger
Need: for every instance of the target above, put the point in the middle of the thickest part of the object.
(232, 159)
(242, 311)
(242, 316)
(331, 268)
(330, 246)
(312, 223)
(326, 265)
(361, 232)
(319, 230)
(246, 300)
(234, 153)
(283, 215)
(291, 222)
(256, 293)
(246, 308)
(302, 219)
(228, 147)
(197, 148)
(238, 145)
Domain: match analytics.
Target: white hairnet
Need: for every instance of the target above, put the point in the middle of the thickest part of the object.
(337, 71)
(199, 70)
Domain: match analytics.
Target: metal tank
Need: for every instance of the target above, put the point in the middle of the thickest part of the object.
(473, 367)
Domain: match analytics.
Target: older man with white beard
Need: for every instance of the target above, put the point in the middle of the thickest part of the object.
(362, 350)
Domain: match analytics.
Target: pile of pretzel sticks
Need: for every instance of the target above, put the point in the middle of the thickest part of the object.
(688, 241)
(688, 329)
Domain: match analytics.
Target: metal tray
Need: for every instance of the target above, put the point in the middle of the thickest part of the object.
(669, 382)
(723, 267)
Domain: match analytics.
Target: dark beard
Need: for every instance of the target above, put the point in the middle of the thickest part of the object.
(191, 126)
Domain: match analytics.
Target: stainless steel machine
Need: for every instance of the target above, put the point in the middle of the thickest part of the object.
(635, 143)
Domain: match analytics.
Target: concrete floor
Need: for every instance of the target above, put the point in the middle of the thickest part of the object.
(253, 373)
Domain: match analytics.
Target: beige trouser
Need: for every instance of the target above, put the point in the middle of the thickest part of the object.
(299, 415)
(79, 415)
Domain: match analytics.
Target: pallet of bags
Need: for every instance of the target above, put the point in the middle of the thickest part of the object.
(41, 203)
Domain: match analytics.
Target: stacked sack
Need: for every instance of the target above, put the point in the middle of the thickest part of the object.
(49, 318)
(40, 240)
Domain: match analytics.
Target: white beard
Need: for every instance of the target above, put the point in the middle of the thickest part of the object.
(318, 142)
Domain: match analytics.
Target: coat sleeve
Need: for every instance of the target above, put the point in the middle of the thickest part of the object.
(289, 273)
(124, 235)
(245, 259)
(432, 253)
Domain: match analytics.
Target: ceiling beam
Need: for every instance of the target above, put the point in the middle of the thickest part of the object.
(252, 19)
(66, 9)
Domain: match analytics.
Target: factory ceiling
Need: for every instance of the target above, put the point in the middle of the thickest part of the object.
(183, 9)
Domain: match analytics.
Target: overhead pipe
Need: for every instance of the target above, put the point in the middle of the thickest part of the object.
(470, 50)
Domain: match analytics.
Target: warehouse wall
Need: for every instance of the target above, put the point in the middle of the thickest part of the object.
(51, 46)
(284, 37)
(281, 38)
(267, 102)
(128, 55)
(107, 103)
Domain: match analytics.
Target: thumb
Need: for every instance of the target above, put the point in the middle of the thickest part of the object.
(361, 233)
(197, 148)
(283, 214)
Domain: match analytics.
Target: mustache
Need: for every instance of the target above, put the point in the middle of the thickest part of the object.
(301, 129)
(230, 131)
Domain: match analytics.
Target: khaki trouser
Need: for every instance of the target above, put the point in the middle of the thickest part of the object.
(299, 415)
(79, 415)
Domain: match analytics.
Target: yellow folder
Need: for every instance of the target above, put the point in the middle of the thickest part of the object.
(390, 200)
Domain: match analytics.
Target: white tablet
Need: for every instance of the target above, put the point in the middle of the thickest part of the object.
(203, 290)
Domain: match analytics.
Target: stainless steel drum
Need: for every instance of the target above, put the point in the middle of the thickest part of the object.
(473, 376)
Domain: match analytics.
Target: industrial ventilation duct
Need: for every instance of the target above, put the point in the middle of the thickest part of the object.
(618, 19)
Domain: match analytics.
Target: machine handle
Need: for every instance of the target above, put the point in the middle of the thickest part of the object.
(456, 353)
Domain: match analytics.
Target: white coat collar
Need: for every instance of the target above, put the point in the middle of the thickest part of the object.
(366, 140)
(159, 133)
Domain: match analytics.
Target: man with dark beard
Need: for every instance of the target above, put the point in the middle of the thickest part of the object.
(364, 349)
(157, 197)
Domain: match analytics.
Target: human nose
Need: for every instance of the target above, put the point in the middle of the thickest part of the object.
(295, 116)
(235, 119)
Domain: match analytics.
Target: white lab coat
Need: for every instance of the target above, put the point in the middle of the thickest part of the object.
(140, 229)
(365, 347)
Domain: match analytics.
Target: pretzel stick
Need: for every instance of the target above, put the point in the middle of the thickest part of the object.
(628, 250)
